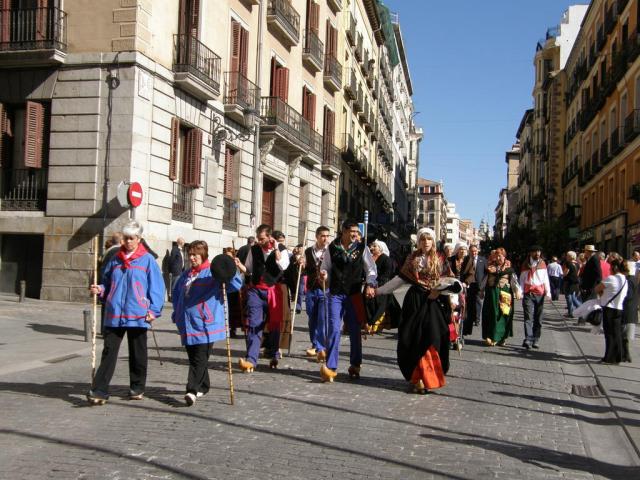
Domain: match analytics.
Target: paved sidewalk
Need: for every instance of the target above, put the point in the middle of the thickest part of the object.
(505, 413)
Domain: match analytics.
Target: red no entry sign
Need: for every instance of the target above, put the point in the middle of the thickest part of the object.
(135, 194)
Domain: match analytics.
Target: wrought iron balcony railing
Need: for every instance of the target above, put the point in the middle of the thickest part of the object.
(333, 71)
(23, 189)
(287, 18)
(183, 197)
(33, 29)
(241, 91)
(194, 57)
(313, 49)
(331, 156)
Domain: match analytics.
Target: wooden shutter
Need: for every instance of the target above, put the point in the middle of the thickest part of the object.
(307, 24)
(312, 110)
(33, 135)
(194, 18)
(42, 13)
(244, 51)
(235, 46)
(192, 158)
(328, 131)
(4, 127)
(283, 84)
(173, 148)
(229, 181)
(5, 20)
(275, 89)
(314, 17)
(334, 41)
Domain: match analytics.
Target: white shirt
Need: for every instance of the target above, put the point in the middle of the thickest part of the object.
(554, 269)
(612, 285)
(369, 267)
(283, 263)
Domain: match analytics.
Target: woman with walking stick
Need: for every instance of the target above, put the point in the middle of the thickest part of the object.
(198, 312)
(133, 290)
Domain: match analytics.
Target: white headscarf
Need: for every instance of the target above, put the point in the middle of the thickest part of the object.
(460, 245)
(382, 246)
(425, 231)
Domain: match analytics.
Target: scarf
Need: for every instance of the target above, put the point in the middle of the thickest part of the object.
(126, 262)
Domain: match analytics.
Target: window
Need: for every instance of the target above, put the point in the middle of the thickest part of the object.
(189, 18)
(230, 191)
(185, 157)
(279, 81)
(309, 107)
(328, 133)
(331, 41)
(239, 58)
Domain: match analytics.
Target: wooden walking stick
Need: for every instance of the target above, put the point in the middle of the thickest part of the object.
(295, 299)
(94, 300)
(226, 326)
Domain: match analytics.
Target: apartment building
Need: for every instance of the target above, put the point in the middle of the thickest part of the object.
(432, 207)
(603, 92)
(225, 112)
(452, 235)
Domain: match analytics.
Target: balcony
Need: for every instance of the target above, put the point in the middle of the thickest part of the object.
(196, 67)
(285, 20)
(351, 85)
(23, 189)
(351, 29)
(32, 37)
(358, 52)
(348, 149)
(182, 209)
(358, 101)
(229, 214)
(632, 126)
(605, 157)
(335, 5)
(331, 160)
(289, 129)
(241, 97)
(312, 51)
(614, 141)
(332, 73)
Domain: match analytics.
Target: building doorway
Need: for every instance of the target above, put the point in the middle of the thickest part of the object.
(21, 259)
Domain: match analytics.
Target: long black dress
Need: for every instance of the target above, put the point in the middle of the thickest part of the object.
(382, 304)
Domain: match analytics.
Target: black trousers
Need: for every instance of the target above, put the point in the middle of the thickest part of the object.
(137, 341)
(198, 379)
(612, 326)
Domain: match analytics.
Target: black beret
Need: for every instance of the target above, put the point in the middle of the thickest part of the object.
(535, 248)
(223, 268)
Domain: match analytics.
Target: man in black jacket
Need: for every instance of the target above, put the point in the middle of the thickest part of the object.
(177, 261)
(591, 275)
(473, 273)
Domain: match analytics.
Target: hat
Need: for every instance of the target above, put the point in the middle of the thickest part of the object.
(535, 248)
(590, 248)
(223, 268)
(425, 231)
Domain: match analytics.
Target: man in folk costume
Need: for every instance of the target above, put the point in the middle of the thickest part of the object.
(316, 293)
(266, 261)
(534, 281)
(344, 266)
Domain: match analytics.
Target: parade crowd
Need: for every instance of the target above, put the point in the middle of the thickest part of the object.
(434, 298)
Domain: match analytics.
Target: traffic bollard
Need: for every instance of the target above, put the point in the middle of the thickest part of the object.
(87, 325)
(23, 290)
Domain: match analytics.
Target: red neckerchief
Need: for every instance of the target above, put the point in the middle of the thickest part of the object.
(270, 246)
(196, 270)
(140, 251)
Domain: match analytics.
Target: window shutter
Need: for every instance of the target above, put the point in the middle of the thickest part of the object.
(229, 181)
(182, 18)
(244, 51)
(33, 135)
(307, 24)
(314, 23)
(194, 18)
(275, 88)
(334, 41)
(305, 103)
(173, 148)
(284, 84)
(235, 46)
(312, 110)
(41, 19)
(193, 158)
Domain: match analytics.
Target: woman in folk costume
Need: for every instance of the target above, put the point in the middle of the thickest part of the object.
(133, 291)
(198, 312)
(423, 333)
(500, 290)
(379, 307)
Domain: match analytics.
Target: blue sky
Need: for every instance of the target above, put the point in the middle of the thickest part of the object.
(471, 65)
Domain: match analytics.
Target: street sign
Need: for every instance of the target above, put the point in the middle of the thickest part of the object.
(134, 194)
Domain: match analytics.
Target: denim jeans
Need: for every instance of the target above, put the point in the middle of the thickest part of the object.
(573, 302)
(533, 306)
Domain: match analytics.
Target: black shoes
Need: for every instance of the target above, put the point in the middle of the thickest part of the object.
(526, 345)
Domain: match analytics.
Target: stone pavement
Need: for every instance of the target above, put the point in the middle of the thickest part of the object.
(505, 413)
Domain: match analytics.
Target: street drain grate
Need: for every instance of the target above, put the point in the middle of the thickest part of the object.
(589, 391)
(63, 359)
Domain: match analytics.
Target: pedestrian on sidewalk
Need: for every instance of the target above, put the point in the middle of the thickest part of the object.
(613, 291)
(474, 274)
(590, 277)
(500, 291)
(534, 281)
(198, 312)
(555, 278)
(133, 289)
(630, 312)
(571, 283)
(423, 333)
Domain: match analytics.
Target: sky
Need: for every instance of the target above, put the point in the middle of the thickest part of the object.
(471, 66)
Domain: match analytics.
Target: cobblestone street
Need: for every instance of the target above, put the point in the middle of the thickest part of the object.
(505, 413)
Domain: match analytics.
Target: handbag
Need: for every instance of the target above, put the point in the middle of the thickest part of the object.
(595, 318)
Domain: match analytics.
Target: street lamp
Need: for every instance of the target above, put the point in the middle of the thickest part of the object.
(222, 132)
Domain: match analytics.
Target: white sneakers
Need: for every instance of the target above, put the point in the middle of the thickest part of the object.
(190, 398)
